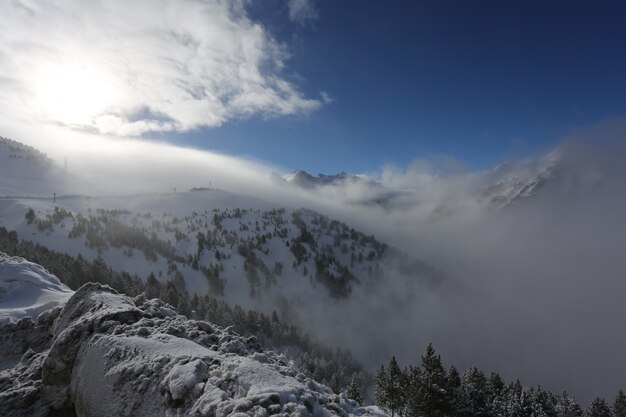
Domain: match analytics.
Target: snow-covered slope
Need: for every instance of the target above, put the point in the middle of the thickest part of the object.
(24, 171)
(248, 255)
(510, 184)
(27, 289)
(110, 355)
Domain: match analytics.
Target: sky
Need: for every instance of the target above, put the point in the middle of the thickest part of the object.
(320, 85)
(478, 81)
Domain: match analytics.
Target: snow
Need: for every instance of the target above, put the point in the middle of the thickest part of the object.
(113, 355)
(184, 378)
(27, 289)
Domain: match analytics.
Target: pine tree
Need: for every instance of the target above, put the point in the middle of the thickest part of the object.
(434, 382)
(567, 406)
(495, 386)
(389, 388)
(382, 383)
(452, 389)
(30, 216)
(619, 406)
(413, 406)
(335, 385)
(599, 408)
(354, 391)
(473, 393)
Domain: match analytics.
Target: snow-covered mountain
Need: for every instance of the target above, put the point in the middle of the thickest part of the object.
(24, 171)
(104, 354)
(508, 184)
(500, 187)
(303, 179)
(250, 256)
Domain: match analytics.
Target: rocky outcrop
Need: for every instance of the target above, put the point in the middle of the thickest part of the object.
(110, 355)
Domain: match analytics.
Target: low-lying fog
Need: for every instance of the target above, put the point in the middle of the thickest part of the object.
(535, 290)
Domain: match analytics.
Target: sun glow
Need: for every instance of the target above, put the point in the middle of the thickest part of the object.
(73, 94)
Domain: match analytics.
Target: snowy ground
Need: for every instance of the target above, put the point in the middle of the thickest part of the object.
(27, 289)
(105, 354)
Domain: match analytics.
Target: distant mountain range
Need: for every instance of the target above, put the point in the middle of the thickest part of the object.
(304, 179)
(500, 187)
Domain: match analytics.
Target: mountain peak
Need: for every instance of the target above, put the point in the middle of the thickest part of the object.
(302, 178)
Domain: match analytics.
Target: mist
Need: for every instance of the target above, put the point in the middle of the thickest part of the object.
(533, 289)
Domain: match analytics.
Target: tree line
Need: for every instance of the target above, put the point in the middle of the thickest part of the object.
(429, 390)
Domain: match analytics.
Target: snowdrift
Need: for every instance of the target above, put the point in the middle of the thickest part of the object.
(27, 289)
(105, 354)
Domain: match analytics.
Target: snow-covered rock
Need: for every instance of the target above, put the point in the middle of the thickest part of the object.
(27, 289)
(110, 355)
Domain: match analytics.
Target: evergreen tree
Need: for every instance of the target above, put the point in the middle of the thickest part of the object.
(382, 383)
(434, 383)
(354, 391)
(495, 386)
(413, 406)
(335, 385)
(566, 406)
(452, 390)
(598, 408)
(619, 406)
(473, 393)
(30, 216)
(389, 390)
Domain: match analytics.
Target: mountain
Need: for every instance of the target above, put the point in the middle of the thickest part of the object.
(303, 179)
(503, 186)
(24, 171)
(249, 251)
(250, 256)
(104, 354)
(510, 184)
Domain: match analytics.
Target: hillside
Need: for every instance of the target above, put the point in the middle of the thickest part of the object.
(249, 256)
(25, 171)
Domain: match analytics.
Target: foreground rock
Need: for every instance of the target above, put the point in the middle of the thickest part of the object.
(105, 354)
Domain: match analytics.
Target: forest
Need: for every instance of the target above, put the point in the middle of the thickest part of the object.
(427, 389)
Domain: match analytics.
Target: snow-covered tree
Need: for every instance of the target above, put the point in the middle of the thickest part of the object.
(598, 408)
(354, 391)
(619, 406)
(390, 388)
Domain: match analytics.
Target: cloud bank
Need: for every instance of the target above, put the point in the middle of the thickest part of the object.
(127, 68)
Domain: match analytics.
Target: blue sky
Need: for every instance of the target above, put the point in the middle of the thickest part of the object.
(479, 81)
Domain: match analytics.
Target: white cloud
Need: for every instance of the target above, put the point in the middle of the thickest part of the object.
(302, 11)
(127, 68)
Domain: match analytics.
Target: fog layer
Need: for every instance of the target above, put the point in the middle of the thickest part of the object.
(532, 252)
